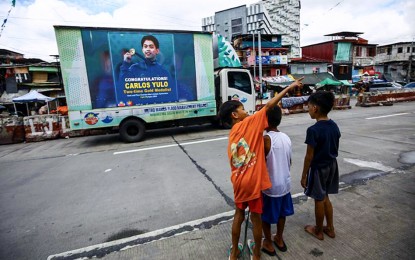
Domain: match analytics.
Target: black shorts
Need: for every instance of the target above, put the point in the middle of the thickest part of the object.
(323, 181)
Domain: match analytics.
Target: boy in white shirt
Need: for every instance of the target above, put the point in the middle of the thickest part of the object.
(277, 201)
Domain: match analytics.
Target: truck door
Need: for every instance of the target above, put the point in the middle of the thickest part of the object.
(239, 86)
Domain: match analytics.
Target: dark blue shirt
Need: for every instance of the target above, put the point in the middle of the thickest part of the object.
(324, 137)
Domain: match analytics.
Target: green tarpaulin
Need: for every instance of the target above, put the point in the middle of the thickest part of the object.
(346, 83)
(343, 51)
(329, 82)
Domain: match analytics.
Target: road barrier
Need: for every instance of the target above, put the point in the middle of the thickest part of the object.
(11, 129)
(385, 98)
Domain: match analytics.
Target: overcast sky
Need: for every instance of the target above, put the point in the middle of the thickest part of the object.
(29, 28)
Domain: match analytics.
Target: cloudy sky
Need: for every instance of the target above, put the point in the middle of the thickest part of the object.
(29, 28)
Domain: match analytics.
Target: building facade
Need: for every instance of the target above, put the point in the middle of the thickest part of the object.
(239, 20)
(274, 58)
(346, 53)
(267, 17)
(19, 75)
(285, 16)
(397, 61)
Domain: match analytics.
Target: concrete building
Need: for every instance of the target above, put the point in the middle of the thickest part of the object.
(346, 54)
(239, 20)
(267, 17)
(396, 60)
(285, 16)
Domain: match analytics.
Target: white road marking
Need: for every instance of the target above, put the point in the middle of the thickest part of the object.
(376, 117)
(373, 165)
(170, 145)
(108, 170)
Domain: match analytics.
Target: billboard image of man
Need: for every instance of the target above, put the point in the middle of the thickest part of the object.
(149, 67)
(147, 75)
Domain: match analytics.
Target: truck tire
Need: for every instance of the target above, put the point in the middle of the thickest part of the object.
(132, 130)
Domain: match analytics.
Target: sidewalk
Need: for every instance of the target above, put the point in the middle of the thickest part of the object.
(375, 220)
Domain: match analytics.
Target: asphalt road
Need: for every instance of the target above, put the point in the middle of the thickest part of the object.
(65, 194)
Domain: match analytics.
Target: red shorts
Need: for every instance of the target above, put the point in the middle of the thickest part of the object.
(255, 205)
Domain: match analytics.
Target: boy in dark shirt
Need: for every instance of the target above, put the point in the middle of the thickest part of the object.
(320, 173)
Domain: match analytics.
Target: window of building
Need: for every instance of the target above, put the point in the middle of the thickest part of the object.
(343, 69)
(408, 49)
(358, 51)
(236, 26)
(371, 52)
(400, 49)
(389, 50)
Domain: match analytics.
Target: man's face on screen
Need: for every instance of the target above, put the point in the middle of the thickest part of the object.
(149, 49)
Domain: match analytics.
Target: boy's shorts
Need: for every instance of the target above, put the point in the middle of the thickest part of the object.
(255, 205)
(323, 181)
(276, 207)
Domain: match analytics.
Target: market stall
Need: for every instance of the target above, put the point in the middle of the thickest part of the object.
(340, 90)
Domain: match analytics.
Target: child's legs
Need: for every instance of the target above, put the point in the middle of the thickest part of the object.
(257, 232)
(328, 212)
(238, 219)
(319, 212)
(266, 228)
(267, 242)
(280, 228)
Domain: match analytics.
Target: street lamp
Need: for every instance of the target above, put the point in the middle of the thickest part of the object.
(253, 51)
(260, 58)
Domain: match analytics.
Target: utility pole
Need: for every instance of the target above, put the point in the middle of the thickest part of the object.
(410, 62)
(253, 51)
(260, 59)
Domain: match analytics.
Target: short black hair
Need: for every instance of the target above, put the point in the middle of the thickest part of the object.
(323, 99)
(274, 116)
(150, 38)
(226, 109)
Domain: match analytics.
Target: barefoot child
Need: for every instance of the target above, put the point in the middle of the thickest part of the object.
(247, 160)
(320, 173)
(277, 202)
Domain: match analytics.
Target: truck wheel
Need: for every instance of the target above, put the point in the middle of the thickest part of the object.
(132, 130)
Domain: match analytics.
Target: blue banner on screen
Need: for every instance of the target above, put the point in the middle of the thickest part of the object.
(132, 68)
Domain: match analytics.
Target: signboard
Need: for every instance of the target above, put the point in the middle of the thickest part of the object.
(273, 59)
(130, 68)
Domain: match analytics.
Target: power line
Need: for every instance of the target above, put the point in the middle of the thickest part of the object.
(7, 17)
(330, 9)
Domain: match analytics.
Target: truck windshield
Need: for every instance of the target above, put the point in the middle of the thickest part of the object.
(240, 80)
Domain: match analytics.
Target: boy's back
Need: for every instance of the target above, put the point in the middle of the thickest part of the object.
(324, 136)
(278, 164)
(245, 151)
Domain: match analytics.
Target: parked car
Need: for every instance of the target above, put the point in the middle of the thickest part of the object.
(383, 86)
(396, 84)
(410, 85)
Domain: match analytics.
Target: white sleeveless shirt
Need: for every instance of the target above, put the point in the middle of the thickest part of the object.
(278, 164)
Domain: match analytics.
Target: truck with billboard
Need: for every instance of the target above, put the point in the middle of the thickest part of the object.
(138, 79)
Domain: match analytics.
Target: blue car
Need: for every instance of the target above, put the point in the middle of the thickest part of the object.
(410, 85)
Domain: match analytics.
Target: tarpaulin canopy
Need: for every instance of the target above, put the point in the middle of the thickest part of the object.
(329, 82)
(32, 96)
(346, 83)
